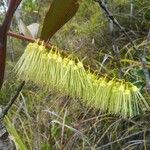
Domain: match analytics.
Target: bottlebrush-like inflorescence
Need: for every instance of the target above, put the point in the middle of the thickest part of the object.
(51, 70)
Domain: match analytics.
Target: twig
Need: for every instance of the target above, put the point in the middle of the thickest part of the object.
(6, 108)
(26, 38)
(19, 36)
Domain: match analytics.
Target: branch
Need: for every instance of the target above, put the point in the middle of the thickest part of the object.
(22, 37)
(3, 35)
(26, 38)
(11, 102)
(13, 4)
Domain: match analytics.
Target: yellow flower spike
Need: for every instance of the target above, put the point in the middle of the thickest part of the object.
(68, 75)
(29, 48)
(127, 92)
(54, 56)
(103, 83)
(71, 63)
(112, 105)
(56, 50)
(110, 83)
(50, 56)
(89, 76)
(51, 50)
(59, 59)
(75, 67)
(66, 60)
(121, 87)
(127, 104)
(37, 41)
(96, 94)
(44, 56)
(135, 89)
(107, 85)
(121, 98)
(42, 48)
(80, 65)
(42, 68)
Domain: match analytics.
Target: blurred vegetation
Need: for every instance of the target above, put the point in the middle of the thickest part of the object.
(46, 121)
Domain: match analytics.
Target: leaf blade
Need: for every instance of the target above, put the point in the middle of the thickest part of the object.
(60, 12)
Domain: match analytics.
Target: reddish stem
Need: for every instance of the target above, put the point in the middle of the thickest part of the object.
(13, 4)
(26, 38)
(19, 36)
(2, 55)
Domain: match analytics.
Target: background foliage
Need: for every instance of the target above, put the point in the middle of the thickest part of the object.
(41, 120)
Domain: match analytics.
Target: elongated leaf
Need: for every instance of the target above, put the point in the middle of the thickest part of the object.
(60, 12)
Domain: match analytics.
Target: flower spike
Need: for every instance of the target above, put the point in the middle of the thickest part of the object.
(51, 70)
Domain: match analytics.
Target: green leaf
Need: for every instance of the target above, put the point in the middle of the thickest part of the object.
(60, 12)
